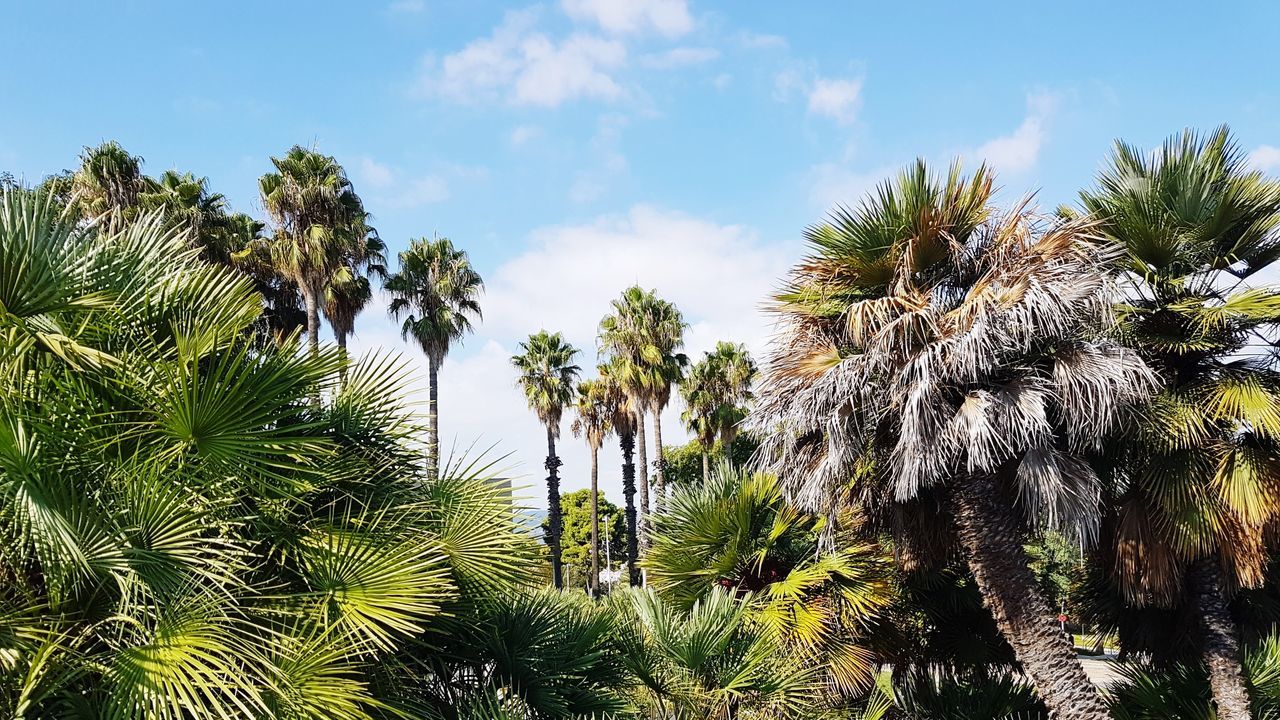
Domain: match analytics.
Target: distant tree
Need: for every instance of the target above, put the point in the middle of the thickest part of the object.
(575, 538)
(684, 462)
(716, 391)
(108, 183)
(624, 422)
(593, 413)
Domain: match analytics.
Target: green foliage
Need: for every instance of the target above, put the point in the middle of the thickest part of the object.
(934, 694)
(576, 540)
(436, 291)
(1057, 565)
(684, 462)
(547, 376)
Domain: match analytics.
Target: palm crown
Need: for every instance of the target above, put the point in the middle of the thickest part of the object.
(547, 376)
(437, 292)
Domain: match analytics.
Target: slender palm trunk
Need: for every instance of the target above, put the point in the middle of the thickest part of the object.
(341, 339)
(433, 418)
(706, 465)
(627, 442)
(659, 465)
(642, 526)
(1221, 643)
(554, 519)
(595, 521)
(991, 535)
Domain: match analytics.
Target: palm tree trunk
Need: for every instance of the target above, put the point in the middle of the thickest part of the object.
(991, 535)
(595, 521)
(433, 419)
(627, 442)
(312, 305)
(1221, 646)
(659, 478)
(706, 465)
(642, 526)
(554, 519)
(341, 339)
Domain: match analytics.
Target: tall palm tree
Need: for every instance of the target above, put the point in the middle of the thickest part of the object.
(931, 347)
(622, 417)
(715, 393)
(350, 290)
(188, 204)
(1197, 226)
(594, 411)
(319, 218)
(641, 336)
(547, 376)
(437, 293)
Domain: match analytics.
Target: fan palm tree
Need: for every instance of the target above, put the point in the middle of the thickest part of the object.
(622, 418)
(736, 531)
(1201, 485)
(187, 535)
(930, 346)
(187, 203)
(547, 376)
(319, 220)
(437, 293)
(108, 183)
(350, 290)
(593, 411)
(641, 337)
(715, 393)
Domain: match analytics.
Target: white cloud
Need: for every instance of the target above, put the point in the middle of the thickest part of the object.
(667, 17)
(679, 57)
(393, 188)
(407, 7)
(523, 134)
(756, 41)
(525, 67)
(591, 183)
(838, 99)
(563, 281)
(1018, 151)
(1265, 158)
(373, 173)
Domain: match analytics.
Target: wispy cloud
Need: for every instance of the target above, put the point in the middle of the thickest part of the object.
(669, 18)
(679, 57)
(836, 98)
(1018, 151)
(1265, 158)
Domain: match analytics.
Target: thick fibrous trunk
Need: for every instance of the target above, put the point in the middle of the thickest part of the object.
(628, 443)
(554, 519)
(433, 419)
(595, 521)
(642, 525)
(991, 535)
(659, 465)
(1221, 643)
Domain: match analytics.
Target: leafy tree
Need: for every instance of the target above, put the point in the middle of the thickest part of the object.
(547, 376)
(436, 291)
(1198, 488)
(684, 462)
(928, 344)
(715, 393)
(108, 183)
(575, 541)
(1057, 565)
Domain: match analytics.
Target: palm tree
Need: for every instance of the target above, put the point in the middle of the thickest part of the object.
(108, 183)
(187, 203)
(736, 531)
(715, 393)
(641, 336)
(622, 418)
(929, 347)
(437, 293)
(547, 376)
(350, 291)
(1197, 226)
(319, 220)
(594, 412)
(124, 586)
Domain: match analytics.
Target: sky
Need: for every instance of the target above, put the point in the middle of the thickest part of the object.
(575, 147)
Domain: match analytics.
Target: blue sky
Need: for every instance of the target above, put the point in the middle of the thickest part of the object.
(578, 146)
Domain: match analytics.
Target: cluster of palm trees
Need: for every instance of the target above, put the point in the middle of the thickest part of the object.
(1110, 372)
(640, 363)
